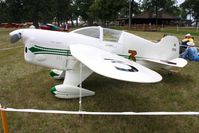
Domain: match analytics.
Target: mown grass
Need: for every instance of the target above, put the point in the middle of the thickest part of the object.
(181, 30)
(24, 85)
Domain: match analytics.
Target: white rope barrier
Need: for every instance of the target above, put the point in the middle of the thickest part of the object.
(99, 113)
(4, 49)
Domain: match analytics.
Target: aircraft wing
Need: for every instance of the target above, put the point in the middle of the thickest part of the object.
(177, 62)
(112, 65)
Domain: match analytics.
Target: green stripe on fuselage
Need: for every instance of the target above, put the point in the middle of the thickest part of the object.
(50, 49)
(44, 50)
(54, 51)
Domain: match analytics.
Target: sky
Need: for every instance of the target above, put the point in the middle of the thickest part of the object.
(179, 1)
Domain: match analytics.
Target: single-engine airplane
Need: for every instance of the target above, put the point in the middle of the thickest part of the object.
(111, 53)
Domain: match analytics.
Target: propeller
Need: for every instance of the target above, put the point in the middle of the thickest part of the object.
(15, 36)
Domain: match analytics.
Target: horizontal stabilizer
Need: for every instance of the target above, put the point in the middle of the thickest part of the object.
(177, 62)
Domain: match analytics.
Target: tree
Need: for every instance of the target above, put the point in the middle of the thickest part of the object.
(79, 8)
(14, 10)
(83, 8)
(62, 10)
(155, 6)
(75, 10)
(191, 7)
(165, 5)
(27, 10)
(36, 10)
(106, 9)
(3, 12)
(135, 9)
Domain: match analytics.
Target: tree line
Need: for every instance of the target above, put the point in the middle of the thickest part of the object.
(88, 10)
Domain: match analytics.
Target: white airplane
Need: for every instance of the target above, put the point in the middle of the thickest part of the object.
(111, 53)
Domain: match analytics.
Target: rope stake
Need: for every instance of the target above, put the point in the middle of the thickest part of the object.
(4, 119)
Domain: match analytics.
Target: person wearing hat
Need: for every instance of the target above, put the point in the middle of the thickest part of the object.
(191, 52)
(187, 38)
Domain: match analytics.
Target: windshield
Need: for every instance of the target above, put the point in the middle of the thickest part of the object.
(89, 31)
(111, 35)
(104, 34)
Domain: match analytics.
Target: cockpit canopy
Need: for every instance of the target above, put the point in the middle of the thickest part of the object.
(104, 34)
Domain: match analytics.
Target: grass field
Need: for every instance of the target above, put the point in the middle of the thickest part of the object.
(181, 30)
(23, 85)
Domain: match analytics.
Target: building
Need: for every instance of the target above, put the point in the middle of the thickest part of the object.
(163, 18)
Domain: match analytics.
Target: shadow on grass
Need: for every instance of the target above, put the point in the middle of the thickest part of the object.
(178, 78)
(114, 95)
